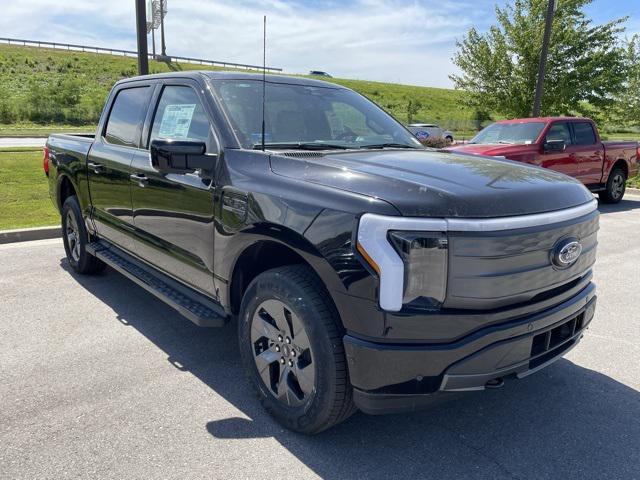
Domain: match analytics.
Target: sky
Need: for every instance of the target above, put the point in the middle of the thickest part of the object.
(402, 41)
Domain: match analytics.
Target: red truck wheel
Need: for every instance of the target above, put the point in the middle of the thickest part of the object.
(616, 186)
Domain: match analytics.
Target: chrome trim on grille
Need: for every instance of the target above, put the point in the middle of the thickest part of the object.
(523, 221)
(373, 229)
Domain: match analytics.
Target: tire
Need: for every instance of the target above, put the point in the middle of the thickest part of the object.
(449, 140)
(615, 188)
(75, 238)
(281, 302)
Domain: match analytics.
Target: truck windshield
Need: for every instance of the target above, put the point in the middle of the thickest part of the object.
(509, 133)
(308, 117)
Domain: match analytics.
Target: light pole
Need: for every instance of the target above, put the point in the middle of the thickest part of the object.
(141, 31)
(163, 11)
(537, 102)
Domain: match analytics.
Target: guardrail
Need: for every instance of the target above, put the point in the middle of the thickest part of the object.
(129, 53)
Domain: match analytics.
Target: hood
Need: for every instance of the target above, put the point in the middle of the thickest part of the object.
(434, 183)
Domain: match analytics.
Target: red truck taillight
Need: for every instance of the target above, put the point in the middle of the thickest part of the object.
(45, 160)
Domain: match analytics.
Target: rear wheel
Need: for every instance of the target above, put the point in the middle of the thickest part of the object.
(291, 346)
(615, 188)
(75, 238)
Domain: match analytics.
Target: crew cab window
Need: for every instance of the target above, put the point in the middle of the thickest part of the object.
(180, 116)
(125, 119)
(584, 133)
(559, 131)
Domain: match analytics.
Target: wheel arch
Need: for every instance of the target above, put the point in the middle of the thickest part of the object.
(620, 163)
(65, 188)
(265, 252)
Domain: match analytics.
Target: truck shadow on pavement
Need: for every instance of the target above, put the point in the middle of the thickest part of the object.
(563, 422)
(626, 204)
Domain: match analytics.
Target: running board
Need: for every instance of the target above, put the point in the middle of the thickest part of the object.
(201, 310)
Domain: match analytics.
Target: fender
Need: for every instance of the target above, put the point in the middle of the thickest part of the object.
(285, 239)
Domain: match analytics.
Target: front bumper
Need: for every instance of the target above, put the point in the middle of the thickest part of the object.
(391, 378)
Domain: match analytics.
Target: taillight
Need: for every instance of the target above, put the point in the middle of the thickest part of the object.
(45, 160)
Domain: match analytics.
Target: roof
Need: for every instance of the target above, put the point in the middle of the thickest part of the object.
(423, 125)
(543, 119)
(235, 75)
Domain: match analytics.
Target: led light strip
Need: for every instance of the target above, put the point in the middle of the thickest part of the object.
(374, 246)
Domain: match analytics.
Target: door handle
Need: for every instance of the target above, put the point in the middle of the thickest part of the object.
(140, 178)
(97, 168)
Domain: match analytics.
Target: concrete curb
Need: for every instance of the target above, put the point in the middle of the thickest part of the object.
(633, 191)
(29, 234)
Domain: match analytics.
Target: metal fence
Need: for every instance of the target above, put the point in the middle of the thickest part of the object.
(129, 53)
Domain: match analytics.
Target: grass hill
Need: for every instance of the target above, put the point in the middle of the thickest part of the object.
(40, 86)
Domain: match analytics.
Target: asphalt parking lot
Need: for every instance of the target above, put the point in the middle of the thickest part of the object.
(98, 379)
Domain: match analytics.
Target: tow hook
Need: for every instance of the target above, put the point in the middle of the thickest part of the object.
(495, 383)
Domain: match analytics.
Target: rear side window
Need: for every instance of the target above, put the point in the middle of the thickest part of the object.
(559, 131)
(127, 114)
(584, 133)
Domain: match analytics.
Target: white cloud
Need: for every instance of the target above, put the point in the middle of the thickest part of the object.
(406, 41)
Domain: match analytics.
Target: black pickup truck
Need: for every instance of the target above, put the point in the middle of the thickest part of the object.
(364, 270)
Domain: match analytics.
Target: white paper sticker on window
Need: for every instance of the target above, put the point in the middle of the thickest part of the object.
(176, 121)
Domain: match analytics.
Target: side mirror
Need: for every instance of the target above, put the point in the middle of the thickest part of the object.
(180, 156)
(554, 146)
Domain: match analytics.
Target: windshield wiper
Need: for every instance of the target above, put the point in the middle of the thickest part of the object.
(388, 145)
(301, 146)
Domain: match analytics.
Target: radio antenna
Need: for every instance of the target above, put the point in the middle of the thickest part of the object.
(264, 72)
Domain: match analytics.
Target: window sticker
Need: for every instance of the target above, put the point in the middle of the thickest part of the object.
(176, 121)
(256, 138)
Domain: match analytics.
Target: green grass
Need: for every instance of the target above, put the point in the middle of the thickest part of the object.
(92, 75)
(30, 129)
(436, 105)
(621, 136)
(24, 191)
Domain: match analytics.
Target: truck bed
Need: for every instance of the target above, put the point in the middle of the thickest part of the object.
(68, 156)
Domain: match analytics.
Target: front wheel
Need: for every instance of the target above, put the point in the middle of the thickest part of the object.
(615, 188)
(291, 346)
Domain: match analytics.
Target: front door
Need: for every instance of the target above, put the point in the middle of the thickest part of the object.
(109, 165)
(559, 161)
(173, 214)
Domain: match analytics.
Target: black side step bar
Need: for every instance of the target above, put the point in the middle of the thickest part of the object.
(201, 310)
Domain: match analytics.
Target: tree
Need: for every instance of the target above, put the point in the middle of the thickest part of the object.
(626, 111)
(480, 116)
(585, 66)
(413, 107)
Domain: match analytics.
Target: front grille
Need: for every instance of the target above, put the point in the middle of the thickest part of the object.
(489, 270)
(552, 343)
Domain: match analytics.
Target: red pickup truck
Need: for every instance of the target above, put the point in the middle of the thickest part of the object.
(565, 144)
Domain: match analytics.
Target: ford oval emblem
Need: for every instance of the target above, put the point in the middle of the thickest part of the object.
(566, 252)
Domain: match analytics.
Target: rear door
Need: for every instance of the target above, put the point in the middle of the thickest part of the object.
(109, 163)
(173, 213)
(588, 153)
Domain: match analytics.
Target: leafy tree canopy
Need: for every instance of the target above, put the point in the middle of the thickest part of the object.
(586, 66)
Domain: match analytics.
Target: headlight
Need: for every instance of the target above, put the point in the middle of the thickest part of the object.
(424, 255)
(410, 257)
